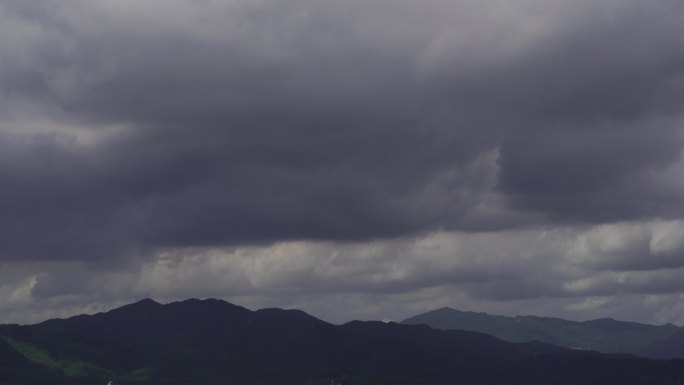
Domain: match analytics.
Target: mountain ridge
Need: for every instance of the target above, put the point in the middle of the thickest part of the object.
(604, 334)
(207, 342)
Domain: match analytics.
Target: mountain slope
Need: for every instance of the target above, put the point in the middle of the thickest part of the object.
(214, 342)
(11, 357)
(17, 369)
(604, 335)
(672, 347)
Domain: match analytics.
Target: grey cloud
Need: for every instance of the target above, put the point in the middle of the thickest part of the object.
(562, 265)
(595, 174)
(631, 246)
(605, 122)
(521, 127)
(307, 120)
(517, 272)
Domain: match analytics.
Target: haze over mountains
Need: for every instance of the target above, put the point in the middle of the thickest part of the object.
(212, 342)
(604, 335)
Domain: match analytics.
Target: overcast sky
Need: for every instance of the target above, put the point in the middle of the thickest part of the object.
(357, 159)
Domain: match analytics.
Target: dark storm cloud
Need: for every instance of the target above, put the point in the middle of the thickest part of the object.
(211, 123)
(597, 174)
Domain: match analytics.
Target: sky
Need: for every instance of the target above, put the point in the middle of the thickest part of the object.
(357, 159)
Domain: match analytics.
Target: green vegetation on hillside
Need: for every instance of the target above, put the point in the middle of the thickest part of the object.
(72, 367)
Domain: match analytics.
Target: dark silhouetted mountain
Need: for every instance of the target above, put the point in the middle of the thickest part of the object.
(604, 335)
(214, 342)
(148, 320)
(10, 357)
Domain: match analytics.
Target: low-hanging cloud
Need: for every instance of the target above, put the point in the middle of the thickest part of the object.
(576, 272)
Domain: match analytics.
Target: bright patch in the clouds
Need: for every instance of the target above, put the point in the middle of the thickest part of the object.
(484, 271)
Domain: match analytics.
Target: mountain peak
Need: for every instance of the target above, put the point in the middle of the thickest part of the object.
(447, 309)
(143, 305)
(149, 302)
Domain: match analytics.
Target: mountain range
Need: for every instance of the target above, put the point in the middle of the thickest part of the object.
(604, 335)
(204, 342)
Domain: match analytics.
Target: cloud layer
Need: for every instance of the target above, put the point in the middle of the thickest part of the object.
(140, 140)
(632, 270)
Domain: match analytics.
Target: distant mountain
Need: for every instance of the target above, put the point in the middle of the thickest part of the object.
(214, 342)
(604, 335)
(672, 347)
